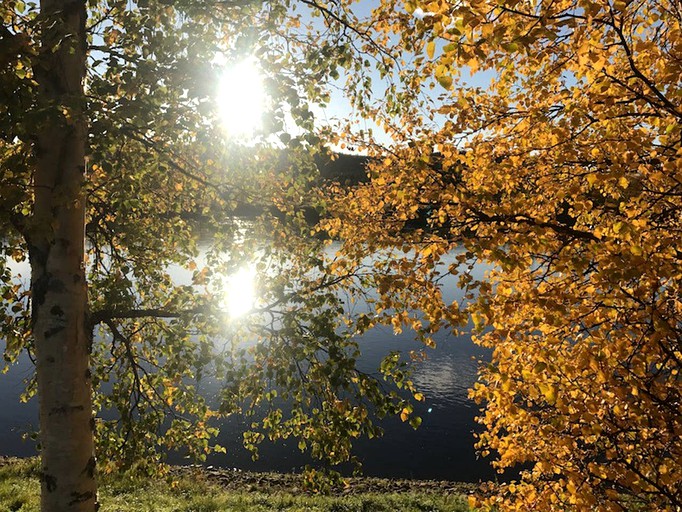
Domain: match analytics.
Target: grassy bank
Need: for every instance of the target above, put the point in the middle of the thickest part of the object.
(199, 491)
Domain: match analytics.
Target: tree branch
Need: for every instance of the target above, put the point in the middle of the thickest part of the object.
(106, 315)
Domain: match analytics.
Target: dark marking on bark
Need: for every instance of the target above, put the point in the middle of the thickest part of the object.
(65, 409)
(76, 278)
(56, 310)
(50, 359)
(49, 481)
(37, 255)
(51, 332)
(88, 374)
(80, 497)
(56, 286)
(89, 328)
(90, 467)
(92, 424)
(39, 289)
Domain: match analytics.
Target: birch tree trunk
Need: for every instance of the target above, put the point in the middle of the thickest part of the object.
(56, 248)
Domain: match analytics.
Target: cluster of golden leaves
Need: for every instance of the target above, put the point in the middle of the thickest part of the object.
(566, 175)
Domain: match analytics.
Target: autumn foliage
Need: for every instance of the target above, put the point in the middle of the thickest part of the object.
(565, 174)
(118, 179)
(558, 165)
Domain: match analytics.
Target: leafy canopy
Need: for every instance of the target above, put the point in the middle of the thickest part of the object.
(168, 194)
(565, 173)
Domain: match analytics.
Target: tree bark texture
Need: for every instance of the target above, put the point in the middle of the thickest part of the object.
(56, 249)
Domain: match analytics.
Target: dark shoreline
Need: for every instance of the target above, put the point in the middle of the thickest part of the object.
(235, 479)
(273, 483)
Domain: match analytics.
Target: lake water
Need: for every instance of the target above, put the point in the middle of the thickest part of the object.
(441, 448)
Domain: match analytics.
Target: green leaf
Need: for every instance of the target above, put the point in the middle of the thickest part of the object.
(445, 81)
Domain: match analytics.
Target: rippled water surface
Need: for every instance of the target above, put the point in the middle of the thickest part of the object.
(442, 448)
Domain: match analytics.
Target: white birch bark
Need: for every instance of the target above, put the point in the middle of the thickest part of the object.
(56, 247)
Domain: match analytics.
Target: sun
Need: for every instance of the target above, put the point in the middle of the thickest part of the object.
(241, 98)
(239, 292)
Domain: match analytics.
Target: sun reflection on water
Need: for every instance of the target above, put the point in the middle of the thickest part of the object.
(239, 292)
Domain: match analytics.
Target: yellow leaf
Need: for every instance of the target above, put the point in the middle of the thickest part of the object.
(549, 391)
(430, 49)
(506, 385)
(477, 319)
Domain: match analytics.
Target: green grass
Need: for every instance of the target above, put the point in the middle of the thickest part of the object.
(20, 490)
